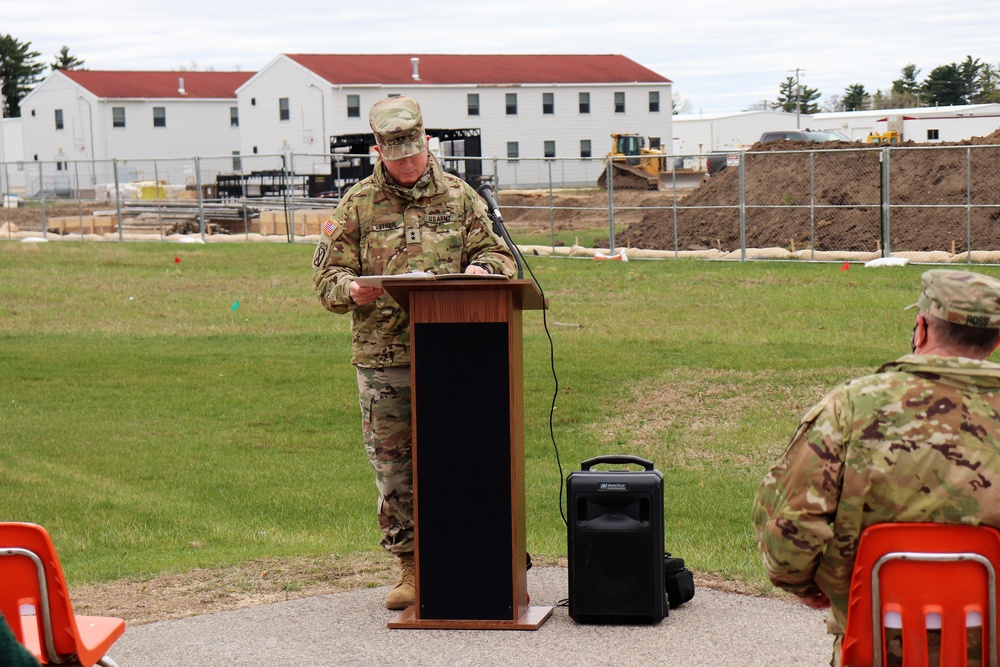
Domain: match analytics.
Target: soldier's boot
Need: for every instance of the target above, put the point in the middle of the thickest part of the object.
(403, 593)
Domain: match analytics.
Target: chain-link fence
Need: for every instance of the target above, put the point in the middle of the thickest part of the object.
(935, 203)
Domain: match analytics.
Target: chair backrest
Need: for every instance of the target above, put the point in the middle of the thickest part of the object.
(30, 574)
(931, 585)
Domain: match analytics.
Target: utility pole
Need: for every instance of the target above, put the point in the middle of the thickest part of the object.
(798, 95)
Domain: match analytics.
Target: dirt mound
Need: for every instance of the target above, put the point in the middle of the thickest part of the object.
(829, 198)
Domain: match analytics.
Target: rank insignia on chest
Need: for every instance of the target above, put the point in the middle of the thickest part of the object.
(413, 235)
(330, 227)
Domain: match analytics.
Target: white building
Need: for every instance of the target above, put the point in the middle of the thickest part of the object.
(696, 134)
(90, 115)
(523, 106)
(922, 124)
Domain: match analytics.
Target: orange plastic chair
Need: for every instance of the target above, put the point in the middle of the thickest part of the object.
(924, 581)
(30, 574)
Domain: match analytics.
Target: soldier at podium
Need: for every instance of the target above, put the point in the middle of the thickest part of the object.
(409, 215)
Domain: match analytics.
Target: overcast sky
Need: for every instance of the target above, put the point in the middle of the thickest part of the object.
(722, 55)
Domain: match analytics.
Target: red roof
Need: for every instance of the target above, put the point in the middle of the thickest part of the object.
(472, 69)
(153, 85)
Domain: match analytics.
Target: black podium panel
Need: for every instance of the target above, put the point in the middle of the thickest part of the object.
(616, 547)
(462, 458)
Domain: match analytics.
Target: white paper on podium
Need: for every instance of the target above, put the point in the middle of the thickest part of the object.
(377, 281)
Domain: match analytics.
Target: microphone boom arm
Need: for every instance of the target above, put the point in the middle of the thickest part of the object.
(499, 228)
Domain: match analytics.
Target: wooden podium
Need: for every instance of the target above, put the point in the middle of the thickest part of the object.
(468, 452)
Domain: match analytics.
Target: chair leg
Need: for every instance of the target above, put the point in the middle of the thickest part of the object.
(106, 661)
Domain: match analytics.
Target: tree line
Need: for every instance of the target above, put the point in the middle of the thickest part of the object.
(971, 81)
(20, 70)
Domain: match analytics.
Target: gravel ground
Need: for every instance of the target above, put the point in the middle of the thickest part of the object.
(715, 628)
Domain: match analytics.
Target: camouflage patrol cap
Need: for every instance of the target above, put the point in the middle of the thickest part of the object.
(962, 297)
(398, 126)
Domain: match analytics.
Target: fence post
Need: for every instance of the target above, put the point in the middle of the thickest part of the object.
(743, 209)
(884, 183)
(41, 190)
(76, 190)
(610, 180)
(812, 201)
(159, 204)
(291, 210)
(968, 204)
(201, 197)
(118, 200)
(7, 204)
(552, 210)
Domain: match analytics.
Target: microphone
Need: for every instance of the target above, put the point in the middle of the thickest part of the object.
(486, 192)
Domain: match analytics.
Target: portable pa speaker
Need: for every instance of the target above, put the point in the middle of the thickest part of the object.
(616, 543)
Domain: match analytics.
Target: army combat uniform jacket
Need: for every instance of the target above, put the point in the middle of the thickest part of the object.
(917, 441)
(439, 225)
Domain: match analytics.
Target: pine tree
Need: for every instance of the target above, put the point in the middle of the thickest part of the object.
(20, 70)
(66, 61)
(970, 73)
(856, 98)
(990, 77)
(944, 86)
(907, 82)
(803, 100)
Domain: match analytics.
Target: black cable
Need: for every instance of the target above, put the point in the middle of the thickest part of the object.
(498, 223)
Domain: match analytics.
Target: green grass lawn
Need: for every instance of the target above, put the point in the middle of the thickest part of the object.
(155, 425)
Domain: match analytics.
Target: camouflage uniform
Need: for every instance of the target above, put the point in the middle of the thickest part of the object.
(438, 225)
(917, 441)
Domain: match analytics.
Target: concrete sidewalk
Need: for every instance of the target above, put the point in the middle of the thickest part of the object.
(715, 628)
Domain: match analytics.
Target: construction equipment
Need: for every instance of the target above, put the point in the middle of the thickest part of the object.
(891, 137)
(635, 167)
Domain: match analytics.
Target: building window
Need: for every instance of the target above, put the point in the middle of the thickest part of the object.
(584, 102)
(550, 149)
(62, 166)
(654, 143)
(284, 112)
(620, 102)
(511, 104)
(585, 148)
(234, 116)
(548, 103)
(354, 106)
(654, 101)
(933, 135)
(159, 116)
(117, 116)
(59, 119)
(473, 104)
(512, 150)
(237, 161)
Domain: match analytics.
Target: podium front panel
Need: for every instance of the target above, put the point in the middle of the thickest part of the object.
(462, 460)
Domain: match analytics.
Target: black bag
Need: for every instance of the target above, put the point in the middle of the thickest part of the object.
(677, 580)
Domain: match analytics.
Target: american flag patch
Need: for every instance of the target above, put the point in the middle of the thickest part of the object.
(329, 227)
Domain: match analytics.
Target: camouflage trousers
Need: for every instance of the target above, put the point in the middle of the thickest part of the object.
(384, 396)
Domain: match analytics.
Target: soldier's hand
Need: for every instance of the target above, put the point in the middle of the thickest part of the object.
(475, 269)
(362, 295)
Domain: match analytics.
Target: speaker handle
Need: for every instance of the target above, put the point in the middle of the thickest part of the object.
(616, 459)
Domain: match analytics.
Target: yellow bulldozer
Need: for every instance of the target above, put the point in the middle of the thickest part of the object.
(891, 137)
(636, 167)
